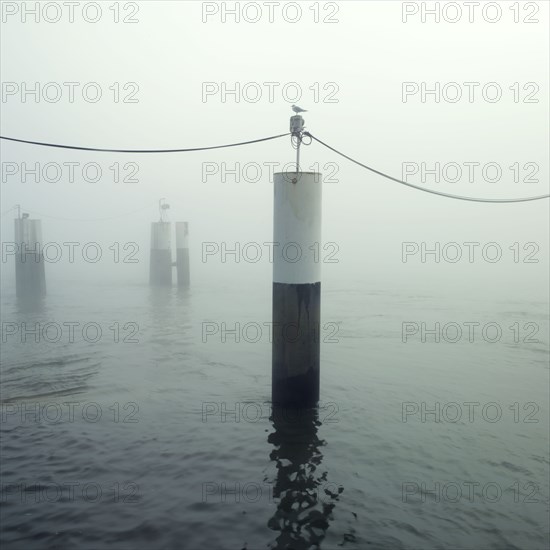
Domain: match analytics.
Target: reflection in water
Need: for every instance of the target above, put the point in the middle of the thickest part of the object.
(183, 296)
(30, 303)
(164, 299)
(304, 497)
(159, 299)
(169, 323)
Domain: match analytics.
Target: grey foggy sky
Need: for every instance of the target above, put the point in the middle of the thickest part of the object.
(367, 54)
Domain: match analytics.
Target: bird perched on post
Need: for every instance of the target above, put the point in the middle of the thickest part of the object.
(297, 109)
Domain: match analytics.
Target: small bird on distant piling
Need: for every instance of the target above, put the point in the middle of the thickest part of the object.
(297, 109)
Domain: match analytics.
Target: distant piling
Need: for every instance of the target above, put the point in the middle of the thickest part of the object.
(30, 274)
(296, 289)
(182, 253)
(160, 265)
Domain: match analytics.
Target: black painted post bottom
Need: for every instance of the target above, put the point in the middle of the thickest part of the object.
(182, 254)
(160, 263)
(160, 272)
(30, 275)
(296, 344)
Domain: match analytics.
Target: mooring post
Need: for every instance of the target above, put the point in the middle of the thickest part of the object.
(296, 289)
(182, 253)
(160, 267)
(30, 274)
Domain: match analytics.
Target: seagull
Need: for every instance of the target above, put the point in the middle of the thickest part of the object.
(297, 109)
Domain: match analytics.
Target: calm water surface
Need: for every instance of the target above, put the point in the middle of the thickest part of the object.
(166, 438)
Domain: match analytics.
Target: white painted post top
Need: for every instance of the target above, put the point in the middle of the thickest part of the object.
(297, 220)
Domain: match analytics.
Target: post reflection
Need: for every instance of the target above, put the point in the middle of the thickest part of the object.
(30, 303)
(304, 496)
